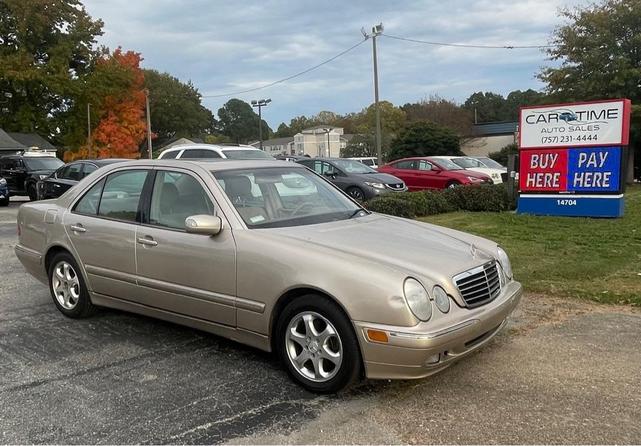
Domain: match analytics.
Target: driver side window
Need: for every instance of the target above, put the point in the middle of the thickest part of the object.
(424, 165)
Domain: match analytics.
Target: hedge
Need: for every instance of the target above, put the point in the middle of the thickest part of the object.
(485, 198)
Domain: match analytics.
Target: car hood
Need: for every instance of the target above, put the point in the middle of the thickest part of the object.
(405, 245)
(42, 172)
(384, 178)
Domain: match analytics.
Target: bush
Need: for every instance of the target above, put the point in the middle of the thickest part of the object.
(485, 198)
(502, 155)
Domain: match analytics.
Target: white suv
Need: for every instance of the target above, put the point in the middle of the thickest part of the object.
(195, 151)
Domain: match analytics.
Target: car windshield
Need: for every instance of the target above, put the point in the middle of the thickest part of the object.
(282, 196)
(351, 166)
(42, 163)
(446, 164)
(247, 154)
(467, 163)
(489, 162)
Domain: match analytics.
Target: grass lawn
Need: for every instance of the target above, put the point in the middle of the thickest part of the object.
(597, 259)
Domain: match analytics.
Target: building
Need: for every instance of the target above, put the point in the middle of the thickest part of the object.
(276, 146)
(490, 137)
(15, 142)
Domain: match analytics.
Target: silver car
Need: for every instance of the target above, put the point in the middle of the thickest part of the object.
(270, 254)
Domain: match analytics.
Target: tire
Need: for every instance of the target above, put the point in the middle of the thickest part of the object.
(31, 191)
(332, 360)
(4, 202)
(68, 288)
(356, 193)
(452, 184)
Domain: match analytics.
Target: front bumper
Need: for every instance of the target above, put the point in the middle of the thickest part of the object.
(371, 192)
(417, 352)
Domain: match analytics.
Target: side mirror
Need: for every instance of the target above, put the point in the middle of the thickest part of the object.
(204, 224)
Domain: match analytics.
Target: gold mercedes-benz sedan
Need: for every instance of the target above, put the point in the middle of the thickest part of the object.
(270, 254)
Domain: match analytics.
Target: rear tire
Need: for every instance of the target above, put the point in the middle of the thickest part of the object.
(316, 343)
(67, 287)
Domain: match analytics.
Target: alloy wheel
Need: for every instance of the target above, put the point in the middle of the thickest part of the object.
(65, 285)
(313, 346)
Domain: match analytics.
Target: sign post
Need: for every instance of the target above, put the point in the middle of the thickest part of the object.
(571, 158)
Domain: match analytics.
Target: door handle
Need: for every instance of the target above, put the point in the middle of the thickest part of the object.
(147, 241)
(78, 228)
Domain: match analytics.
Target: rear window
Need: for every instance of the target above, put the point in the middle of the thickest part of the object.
(170, 155)
(199, 153)
(247, 154)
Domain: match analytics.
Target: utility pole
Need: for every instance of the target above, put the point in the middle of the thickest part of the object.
(89, 130)
(329, 152)
(376, 31)
(149, 148)
(260, 103)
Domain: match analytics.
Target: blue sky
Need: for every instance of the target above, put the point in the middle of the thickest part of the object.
(229, 46)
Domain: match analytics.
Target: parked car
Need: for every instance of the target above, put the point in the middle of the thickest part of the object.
(23, 170)
(474, 165)
(293, 158)
(358, 180)
(4, 192)
(489, 162)
(204, 151)
(269, 254)
(369, 161)
(69, 175)
(431, 173)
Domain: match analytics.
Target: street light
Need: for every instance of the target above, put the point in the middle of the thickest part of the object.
(260, 103)
(377, 30)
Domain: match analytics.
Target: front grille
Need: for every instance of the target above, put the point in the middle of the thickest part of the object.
(396, 186)
(479, 285)
(504, 177)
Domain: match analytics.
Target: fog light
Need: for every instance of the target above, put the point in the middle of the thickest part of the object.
(377, 336)
(441, 299)
(433, 359)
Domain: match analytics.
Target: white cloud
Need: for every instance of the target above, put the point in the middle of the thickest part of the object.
(229, 46)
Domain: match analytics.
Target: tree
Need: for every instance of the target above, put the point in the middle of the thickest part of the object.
(283, 131)
(118, 105)
(176, 110)
(502, 155)
(360, 146)
(46, 47)
(517, 99)
(238, 121)
(441, 111)
(600, 58)
(424, 139)
(486, 106)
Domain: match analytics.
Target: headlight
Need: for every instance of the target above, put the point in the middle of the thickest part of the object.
(417, 299)
(376, 185)
(441, 299)
(474, 179)
(505, 262)
(3, 181)
(42, 177)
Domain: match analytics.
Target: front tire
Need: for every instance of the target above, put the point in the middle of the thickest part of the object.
(356, 193)
(453, 185)
(31, 191)
(317, 345)
(68, 288)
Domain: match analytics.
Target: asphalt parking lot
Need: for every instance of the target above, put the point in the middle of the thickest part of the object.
(562, 372)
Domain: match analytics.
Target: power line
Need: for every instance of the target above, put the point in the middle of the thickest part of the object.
(279, 81)
(465, 45)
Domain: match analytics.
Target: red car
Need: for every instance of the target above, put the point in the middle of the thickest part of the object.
(429, 173)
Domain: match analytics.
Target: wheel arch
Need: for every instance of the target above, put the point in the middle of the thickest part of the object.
(294, 293)
(52, 251)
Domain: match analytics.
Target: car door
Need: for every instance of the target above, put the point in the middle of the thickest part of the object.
(336, 175)
(11, 173)
(190, 274)
(61, 182)
(406, 171)
(428, 177)
(102, 228)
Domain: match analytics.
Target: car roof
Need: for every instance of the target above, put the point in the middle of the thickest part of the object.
(214, 147)
(213, 165)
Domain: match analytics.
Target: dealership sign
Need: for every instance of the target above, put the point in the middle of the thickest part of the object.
(580, 124)
(571, 158)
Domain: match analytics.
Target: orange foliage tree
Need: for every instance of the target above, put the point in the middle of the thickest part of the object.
(118, 97)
